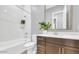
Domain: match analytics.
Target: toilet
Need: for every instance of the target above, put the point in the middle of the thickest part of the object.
(31, 46)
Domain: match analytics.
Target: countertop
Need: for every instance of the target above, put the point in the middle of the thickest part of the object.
(74, 37)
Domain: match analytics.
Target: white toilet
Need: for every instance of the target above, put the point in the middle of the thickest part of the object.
(32, 45)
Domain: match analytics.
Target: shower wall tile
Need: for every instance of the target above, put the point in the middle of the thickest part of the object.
(10, 17)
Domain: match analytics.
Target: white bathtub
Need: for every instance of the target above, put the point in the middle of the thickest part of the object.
(13, 46)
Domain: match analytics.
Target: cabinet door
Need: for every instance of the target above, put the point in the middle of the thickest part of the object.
(40, 38)
(70, 50)
(41, 45)
(40, 49)
(53, 49)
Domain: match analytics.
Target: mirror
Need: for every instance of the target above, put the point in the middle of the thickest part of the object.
(59, 16)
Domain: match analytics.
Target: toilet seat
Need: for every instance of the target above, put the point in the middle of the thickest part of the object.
(30, 46)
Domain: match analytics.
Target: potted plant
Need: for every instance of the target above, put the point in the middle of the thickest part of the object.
(45, 26)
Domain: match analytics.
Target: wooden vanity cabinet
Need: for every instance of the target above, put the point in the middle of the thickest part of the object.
(53, 49)
(70, 46)
(70, 50)
(50, 45)
(41, 45)
(53, 46)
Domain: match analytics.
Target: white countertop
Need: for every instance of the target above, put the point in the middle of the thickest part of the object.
(74, 37)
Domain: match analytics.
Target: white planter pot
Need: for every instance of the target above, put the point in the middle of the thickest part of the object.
(44, 31)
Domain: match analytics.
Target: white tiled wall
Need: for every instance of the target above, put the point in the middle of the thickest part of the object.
(10, 17)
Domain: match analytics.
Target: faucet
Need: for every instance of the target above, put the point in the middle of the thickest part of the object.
(55, 26)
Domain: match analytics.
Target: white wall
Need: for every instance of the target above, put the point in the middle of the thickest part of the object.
(10, 17)
(75, 18)
(37, 13)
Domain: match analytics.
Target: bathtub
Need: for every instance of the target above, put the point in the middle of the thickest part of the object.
(12, 47)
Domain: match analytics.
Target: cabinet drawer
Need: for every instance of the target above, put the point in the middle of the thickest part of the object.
(54, 40)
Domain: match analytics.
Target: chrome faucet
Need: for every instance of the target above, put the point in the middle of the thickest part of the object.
(55, 26)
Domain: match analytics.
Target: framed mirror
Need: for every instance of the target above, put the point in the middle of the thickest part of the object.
(59, 16)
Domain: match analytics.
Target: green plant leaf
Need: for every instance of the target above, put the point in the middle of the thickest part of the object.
(44, 25)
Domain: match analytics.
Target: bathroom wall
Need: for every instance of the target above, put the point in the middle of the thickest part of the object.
(10, 28)
(75, 20)
(38, 16)
(37, 13)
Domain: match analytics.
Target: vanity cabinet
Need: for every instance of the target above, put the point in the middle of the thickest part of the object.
(70, 50)
(53, 49)
(70, 46)
(50, 45)
(41, 45)
(53, 46)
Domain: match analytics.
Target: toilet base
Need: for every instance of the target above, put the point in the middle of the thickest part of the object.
(31, 47)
